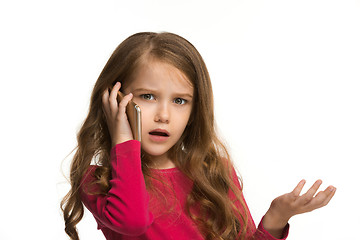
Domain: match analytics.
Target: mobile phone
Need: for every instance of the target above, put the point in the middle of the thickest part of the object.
(133, 113)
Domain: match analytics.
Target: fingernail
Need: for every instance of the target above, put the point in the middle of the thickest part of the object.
(332, 189)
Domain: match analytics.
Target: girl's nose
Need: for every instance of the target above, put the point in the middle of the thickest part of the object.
(162, 113)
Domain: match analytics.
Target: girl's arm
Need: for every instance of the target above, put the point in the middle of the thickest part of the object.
(274, 224)
(259, 233)
(125, 209)
(262, 233)
(284, 207)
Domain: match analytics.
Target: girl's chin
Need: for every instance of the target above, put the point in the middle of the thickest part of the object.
(155, 149)
(153, 152)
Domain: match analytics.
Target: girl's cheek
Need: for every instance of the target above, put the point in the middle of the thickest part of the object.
(142, 104)
(145, 113)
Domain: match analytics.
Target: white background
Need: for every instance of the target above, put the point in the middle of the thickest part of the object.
(286, 85)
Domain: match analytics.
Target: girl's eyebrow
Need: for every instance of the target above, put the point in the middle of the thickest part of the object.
(144, 90)
(153, 90)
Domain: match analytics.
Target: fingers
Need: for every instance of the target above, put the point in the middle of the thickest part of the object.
(308, 196)
(330, 192)
(112, 101)
(297, 190)
(291, 204)
(112, 108)
(124, 103)
(115, 114)
(323, 197)
(108, 100)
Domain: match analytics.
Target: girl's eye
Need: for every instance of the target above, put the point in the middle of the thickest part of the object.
(147, 96)
(180, 101)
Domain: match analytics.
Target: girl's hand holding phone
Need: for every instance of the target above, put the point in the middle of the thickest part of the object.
(115, 114)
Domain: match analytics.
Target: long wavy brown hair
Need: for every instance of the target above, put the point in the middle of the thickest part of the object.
(199, 153)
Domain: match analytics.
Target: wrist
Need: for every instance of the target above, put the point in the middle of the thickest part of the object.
(274, 223)
(114, 143)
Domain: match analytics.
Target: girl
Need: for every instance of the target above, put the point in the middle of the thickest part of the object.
(179, 182)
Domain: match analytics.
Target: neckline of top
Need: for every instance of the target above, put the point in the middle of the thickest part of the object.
(165, 170)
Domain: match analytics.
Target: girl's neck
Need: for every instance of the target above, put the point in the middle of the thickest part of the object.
(162, 165)
(161, 162)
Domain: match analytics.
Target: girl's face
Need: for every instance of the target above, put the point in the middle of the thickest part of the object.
(164, 95)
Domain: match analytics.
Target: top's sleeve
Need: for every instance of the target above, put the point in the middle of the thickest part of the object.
(258, 233)
(125, 209)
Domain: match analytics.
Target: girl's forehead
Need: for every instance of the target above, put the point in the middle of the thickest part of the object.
(159, 74)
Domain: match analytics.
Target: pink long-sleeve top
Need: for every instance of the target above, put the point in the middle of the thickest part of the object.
(130, 212)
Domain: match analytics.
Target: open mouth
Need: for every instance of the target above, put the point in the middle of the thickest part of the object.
(160, 133)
